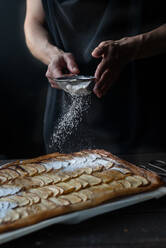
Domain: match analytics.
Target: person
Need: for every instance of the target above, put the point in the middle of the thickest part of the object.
(121, 43)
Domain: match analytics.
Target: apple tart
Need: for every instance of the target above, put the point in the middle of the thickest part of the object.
(55, 184)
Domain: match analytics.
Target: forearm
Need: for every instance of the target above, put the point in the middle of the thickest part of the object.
(145, 45)
(38, 42)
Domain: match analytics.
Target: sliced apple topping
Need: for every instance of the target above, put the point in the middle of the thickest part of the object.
(43, 193)
(32, 197)
(84, 183)
(66, 187)
(109, 165)
(18, 200)
(81, 195)
(46, 179)
(125, 183)
(22, 212)
(29, 182)
(4, 173)
(116, 185)
(8, 189)
(88, 170)
(59, 201)
(106, 176)
(143, 179)
(91, 179)
(64, 177)
(22, 172)
(3, 179)
(54, 189)
(11, 173)
(75, 183)
(97, 168)
(54, 177)
(135, 182)
(87, 193)
(11, 216)
(73, 199)
(29, 169)
(40, 168)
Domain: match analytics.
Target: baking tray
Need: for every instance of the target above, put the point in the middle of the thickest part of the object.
(78, 216)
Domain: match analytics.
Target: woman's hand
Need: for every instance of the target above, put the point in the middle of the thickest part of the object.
(114, 56)
(62, 64)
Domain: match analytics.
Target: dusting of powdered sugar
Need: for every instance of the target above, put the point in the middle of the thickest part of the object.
(69, 122)
(78, 162)
(55, 164)
(8, 190)
(5, 207)
(122, 170)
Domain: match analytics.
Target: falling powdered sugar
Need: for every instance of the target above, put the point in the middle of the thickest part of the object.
(69, 122)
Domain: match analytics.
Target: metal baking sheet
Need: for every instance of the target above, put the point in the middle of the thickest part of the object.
(77, 217)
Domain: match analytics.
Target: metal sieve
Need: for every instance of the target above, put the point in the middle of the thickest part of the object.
(77, 85)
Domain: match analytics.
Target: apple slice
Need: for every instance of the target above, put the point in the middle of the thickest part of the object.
(11, 216)
(116, 185)
(54, 177)
(32, 197)
(29, 169)
(22, 212)
(143, 179)
(21, 171)
(135, 182)
(66, 187)
(3, 179)
(91, 179)
(75, 183)
(54, 189)
(46, 179)
(43, 193)
(73, 199)
(59, 201)
(40, 168)
(83, 182)
(81, 195)
(11, 173)
(125, 183)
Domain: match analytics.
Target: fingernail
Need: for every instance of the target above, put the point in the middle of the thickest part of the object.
(95, 90)
(75, 69)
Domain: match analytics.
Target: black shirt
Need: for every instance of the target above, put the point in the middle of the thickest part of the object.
(131, 117)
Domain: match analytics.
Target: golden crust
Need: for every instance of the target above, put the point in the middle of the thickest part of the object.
(75, 191)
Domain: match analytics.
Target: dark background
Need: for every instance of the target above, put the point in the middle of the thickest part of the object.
(23, 87)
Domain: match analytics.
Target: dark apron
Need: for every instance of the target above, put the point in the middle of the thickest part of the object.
(130, 117)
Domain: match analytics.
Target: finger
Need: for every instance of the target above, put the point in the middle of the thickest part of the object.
(56, 72)
(104, 79)
(53, 84)
(103, 65)
(71, 64)
(98, 51)
(106, 76)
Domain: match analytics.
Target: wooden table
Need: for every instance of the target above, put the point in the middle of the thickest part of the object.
(142, 225)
